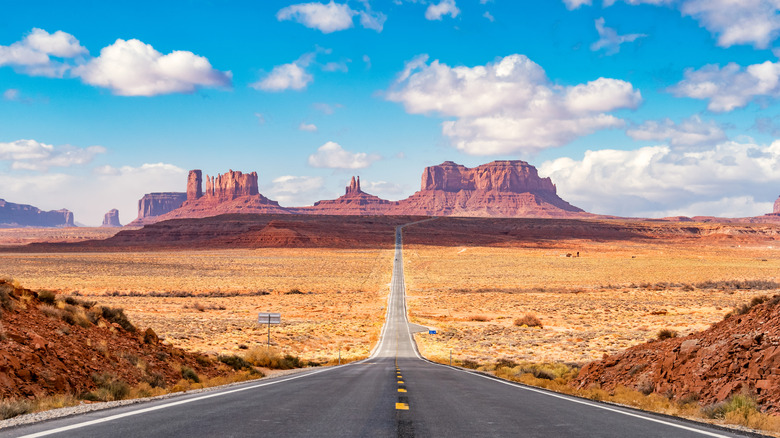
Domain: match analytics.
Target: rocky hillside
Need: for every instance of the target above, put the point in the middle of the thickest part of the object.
(740, 353)
(57, 345)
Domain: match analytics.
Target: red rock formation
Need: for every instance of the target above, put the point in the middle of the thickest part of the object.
(194, 185)
(740, 352)
(354, 202)
(22, 215)
(776, 209)
(153, 205)
(111, 219)
(231, 185)
(500, 188)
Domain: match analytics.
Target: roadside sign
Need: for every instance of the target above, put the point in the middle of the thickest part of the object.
(269, 318)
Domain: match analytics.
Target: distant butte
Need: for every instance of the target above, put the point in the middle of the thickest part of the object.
(111, 219)
(497, 189)
(22, 215)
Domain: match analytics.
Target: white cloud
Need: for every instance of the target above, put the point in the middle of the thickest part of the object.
(260, 118)
(132, 68)
(11, 94)
(574, 4)
(489, 16)
(327, 18)
(436, 11)
(367, 61)
(89, 195)
(292, 76)
(383, 189)
(326, 108)
(336, 66)
(609, 38)
(33, 53)
(33, 155)
(373, 20)
(308, 127)
(332, 156)
(755, 22)
(509, 106)
(295, 191)
(658, 181)
(732, 86)
(690, 132)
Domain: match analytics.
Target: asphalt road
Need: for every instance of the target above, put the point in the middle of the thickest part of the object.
(395, 393)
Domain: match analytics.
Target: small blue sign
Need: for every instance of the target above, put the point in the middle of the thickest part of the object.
(431, 332)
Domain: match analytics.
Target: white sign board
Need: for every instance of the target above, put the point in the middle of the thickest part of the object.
(269, 318)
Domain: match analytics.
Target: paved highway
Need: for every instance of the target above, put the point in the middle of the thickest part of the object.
(394, 393)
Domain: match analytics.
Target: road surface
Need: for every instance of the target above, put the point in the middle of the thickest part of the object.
(394, 393)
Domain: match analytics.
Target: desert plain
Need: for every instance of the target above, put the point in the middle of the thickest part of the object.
(616, 294)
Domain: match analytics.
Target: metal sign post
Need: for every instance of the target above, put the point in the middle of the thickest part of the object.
(269, 318)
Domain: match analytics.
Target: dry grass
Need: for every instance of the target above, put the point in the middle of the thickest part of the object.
(614, 296)
(208, 300)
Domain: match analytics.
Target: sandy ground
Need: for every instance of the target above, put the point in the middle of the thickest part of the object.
(337, 298)
(606, 300)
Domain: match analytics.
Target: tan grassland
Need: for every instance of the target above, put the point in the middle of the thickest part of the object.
(340, 304)
(612, 297)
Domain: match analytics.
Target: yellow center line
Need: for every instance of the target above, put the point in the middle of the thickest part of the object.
(402, 406)
(401, 390)
(400, 382)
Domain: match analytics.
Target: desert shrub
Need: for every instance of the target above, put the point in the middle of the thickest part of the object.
(666, 334)
(505, 363)
(479, 318)
(739, 285)
(235, 362)
(13, 407)
(262, 357)
(189, 374)
(117, 316)
(468, 363)
(51, 311)
(529, 320)
(691, 397)
(47, 296)
(77, 302)
(738, 406)
(294, 291)
(637, 368)
(109, 388)
(155, 380)
(5, 296)
(203, 360)
(687, 287)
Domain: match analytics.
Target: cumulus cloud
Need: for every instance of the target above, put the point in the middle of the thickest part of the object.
(436, 11)
(489, 16)
(332, 156)
(295, 191)
(33, 54)
(132, 68)
(383, 189)
(326, 108)
(33, 155)
(11, 94)
(292, 76)
(690, 132)
(731, 86)
(609, 40)
(331, 17)
(509, 106)
(659, 181)
(754, 22)
(308, 127)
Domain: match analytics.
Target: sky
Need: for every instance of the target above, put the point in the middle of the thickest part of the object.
(645, 108)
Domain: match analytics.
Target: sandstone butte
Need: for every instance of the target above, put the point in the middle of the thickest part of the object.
(21, 215)
(739, 353)
(497, 189)
(111, 219)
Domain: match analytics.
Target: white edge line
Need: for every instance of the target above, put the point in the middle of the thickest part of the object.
(168, 405)
(550, 393)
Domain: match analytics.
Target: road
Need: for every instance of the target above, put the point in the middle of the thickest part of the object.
(394, 393)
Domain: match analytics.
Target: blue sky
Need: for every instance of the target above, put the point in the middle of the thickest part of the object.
(632, 107)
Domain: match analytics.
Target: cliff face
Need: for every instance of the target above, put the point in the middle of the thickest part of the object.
(776, 209)
(157, 204)
(500, 188)
(21, 215)
(111, 219)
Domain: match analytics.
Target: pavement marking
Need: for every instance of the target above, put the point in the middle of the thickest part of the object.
(400, 382)
(587, 403)
(401, 390)
(402, 406)
(168, 405)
